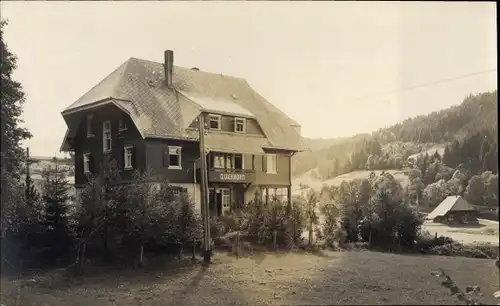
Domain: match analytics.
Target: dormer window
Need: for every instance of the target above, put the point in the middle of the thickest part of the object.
(214, 122)
(239, 125)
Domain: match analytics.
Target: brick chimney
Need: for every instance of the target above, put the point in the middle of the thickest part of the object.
(169, 65)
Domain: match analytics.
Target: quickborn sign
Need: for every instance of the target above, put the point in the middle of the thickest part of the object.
(227, 177)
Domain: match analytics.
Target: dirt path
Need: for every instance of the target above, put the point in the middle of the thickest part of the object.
(463, 235)
(361, 277)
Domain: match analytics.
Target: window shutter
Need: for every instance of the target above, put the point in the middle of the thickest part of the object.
(121, 159)
(134, 158)
(264, 163)
(276, 161)
(91, 163)
(165, 157)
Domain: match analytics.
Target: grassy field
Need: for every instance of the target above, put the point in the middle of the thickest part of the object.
(336, 278)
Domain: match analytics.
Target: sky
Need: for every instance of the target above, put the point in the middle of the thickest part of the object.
(338, 68)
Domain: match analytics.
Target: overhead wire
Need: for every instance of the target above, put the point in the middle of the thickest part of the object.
(427, 84)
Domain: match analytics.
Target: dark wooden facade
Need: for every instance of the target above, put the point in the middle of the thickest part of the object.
(153, 153)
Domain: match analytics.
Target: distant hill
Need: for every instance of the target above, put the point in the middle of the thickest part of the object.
(332, 157)
(316, 144)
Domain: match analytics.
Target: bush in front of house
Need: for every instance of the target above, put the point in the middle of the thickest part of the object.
(260, 222)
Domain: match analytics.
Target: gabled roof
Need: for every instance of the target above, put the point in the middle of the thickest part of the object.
(138, 88)
(451, 203)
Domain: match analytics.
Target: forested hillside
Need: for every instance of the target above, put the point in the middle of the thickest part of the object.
(462, 129)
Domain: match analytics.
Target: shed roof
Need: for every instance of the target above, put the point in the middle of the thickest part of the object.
(451, 203)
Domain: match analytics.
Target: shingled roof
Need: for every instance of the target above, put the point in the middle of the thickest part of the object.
(138, 88)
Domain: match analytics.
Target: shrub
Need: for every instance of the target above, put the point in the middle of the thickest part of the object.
(372, 211)
(260, 221)
(217, 228)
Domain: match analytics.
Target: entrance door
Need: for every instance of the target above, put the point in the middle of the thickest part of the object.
(223, 199)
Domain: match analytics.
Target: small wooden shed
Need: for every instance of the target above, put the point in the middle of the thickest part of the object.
(454, 209)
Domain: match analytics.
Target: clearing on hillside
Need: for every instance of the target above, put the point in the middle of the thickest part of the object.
(316, 184)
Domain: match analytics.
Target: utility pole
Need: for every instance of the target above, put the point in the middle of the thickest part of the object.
(204, 192)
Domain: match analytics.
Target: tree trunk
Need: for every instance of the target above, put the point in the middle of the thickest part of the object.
(82, 253)
(310, 232)
(193, 256)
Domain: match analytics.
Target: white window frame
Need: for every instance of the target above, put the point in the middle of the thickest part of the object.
(229, 158)
(243, 122)
(226, 200)
(104, 138)
(122, 126)
(86, 162)
(214, 117)
(90, 118)
(271, 161)
(127, 153)
(217, 158)
(179, 153)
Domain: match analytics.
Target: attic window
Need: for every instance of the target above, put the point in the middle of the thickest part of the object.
(214, 122)
(239, 125)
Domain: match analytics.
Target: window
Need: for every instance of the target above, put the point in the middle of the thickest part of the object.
(240, 125)
(214, 122)
(127, 158)
(264, 194)
(89, 126)
(271, 163)
(86, 163)
(226, 201)
(106, 136)
(271, 193)
(238, 161)
(226, 161)
(279, 194)
(218, 161)
(174, 157)
(122, 125)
